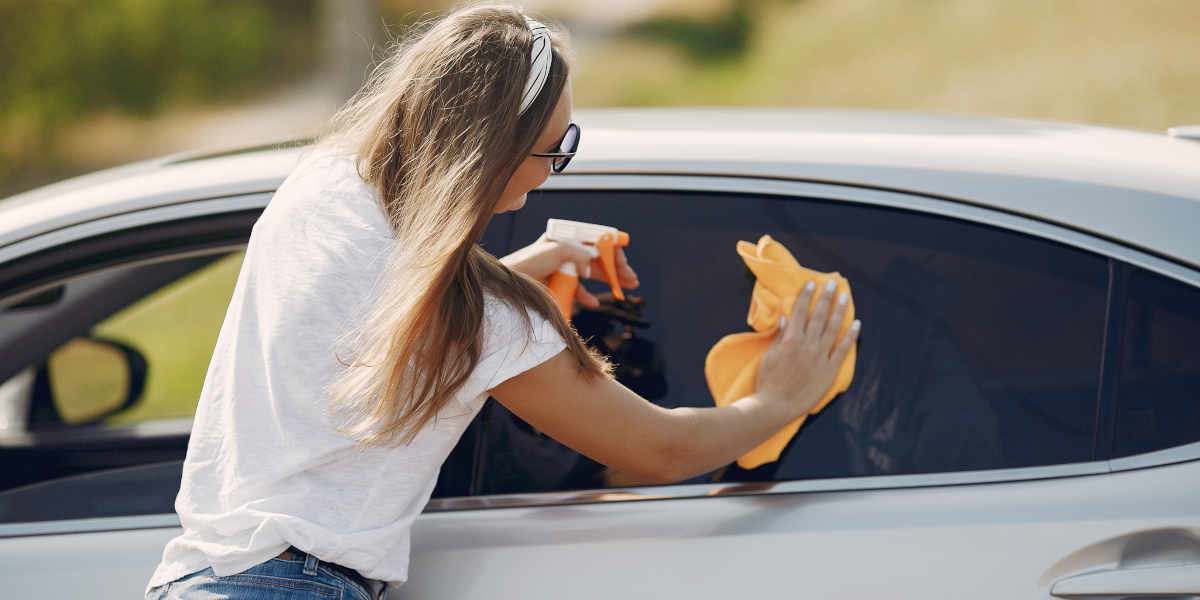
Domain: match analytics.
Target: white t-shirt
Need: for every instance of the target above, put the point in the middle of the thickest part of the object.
(265, 469)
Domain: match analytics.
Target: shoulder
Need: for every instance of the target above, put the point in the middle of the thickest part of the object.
(325, 203)
(515, 339)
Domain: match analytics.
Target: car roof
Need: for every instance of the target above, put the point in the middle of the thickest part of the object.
(1139, 188)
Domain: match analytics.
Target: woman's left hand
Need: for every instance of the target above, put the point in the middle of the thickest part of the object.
(542, 258)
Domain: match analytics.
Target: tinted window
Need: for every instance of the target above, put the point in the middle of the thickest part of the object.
(980, 350)
(1158, 398)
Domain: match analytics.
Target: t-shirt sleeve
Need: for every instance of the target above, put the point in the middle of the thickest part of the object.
(510, 346)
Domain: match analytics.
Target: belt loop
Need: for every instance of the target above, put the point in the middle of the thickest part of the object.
(310, 564)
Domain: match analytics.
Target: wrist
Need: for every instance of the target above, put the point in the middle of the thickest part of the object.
(775, 407)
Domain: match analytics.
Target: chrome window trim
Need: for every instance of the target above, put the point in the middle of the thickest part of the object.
(70, 526)
(798, 486)
(1166, 456)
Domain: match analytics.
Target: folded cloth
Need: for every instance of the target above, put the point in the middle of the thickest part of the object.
(732, 364)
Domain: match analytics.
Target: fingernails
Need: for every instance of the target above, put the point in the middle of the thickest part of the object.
(856, 325)
(810, 286)
(587, 270)
(831, 285)
(782, 322)
(843, 298)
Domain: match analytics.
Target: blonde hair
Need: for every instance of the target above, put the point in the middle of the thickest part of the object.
(436, 132)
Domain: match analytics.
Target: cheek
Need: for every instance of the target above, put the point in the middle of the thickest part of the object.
(529, 175)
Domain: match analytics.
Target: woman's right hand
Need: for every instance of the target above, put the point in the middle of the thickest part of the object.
(803, 360)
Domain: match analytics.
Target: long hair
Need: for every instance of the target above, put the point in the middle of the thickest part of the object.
(436, 132)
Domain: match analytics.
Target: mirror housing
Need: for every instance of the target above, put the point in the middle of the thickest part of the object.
(106, 377)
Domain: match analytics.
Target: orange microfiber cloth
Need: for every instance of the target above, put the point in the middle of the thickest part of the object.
(732, 364)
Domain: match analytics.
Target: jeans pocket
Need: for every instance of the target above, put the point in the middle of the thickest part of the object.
(256, 583)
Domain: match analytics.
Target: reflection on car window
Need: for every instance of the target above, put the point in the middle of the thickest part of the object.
(174, 328)
(1158, 398)
(981, 347)
(134, 343)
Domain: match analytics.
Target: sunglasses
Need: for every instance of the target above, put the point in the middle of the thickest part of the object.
(566, 149)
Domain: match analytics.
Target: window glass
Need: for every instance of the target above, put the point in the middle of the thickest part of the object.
(980, 347)
(175, 328)
(1158, 397)
(143, 361)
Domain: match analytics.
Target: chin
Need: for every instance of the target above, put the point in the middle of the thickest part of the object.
(517, 204)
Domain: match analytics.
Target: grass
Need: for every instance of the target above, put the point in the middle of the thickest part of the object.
(1130, 64)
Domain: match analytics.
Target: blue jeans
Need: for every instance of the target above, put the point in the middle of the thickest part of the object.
(277, 579)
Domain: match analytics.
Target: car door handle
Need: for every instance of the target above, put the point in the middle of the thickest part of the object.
(1176, 582)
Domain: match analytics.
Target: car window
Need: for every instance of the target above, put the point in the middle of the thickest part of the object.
(980, 347)
(126, 346)
(1158, 395)
(174, 328)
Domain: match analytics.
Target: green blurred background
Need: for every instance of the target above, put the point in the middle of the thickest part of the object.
(92, 83)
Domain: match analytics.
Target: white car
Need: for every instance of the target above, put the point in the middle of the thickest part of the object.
(1024, 420)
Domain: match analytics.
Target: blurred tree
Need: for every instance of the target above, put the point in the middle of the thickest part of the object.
(64, 59)
(723, 36)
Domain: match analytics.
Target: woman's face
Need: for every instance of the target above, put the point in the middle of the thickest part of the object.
(533, 171)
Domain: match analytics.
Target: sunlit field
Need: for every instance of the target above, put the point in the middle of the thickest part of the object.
(1129, 64)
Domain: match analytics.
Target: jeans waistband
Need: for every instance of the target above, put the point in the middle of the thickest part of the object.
(374, 587)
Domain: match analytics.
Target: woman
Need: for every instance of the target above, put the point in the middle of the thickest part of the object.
(367, 328)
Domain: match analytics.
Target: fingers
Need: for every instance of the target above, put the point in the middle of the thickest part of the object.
(795, 323)
(585, 297)
(829, 336)
(626, 277)
(629, 279)
(820, 316)
(844, 346)
(578, 254)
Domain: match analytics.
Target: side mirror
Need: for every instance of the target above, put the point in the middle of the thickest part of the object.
(85, 380)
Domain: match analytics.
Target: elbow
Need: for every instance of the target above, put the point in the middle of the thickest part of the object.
(669, 452)
(675, 458)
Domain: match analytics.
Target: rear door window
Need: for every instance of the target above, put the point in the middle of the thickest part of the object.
(1158, 396)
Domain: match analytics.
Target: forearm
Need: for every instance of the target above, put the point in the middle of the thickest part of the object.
(704, 439)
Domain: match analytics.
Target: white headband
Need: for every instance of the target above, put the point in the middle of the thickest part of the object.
(539, 68)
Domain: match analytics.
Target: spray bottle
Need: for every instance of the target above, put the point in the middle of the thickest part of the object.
(600, 241)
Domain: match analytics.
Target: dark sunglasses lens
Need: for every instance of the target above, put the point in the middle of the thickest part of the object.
(570, 143)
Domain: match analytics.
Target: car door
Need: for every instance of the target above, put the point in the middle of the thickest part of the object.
(973, 455)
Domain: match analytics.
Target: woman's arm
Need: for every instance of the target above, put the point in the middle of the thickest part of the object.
(607, 422)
